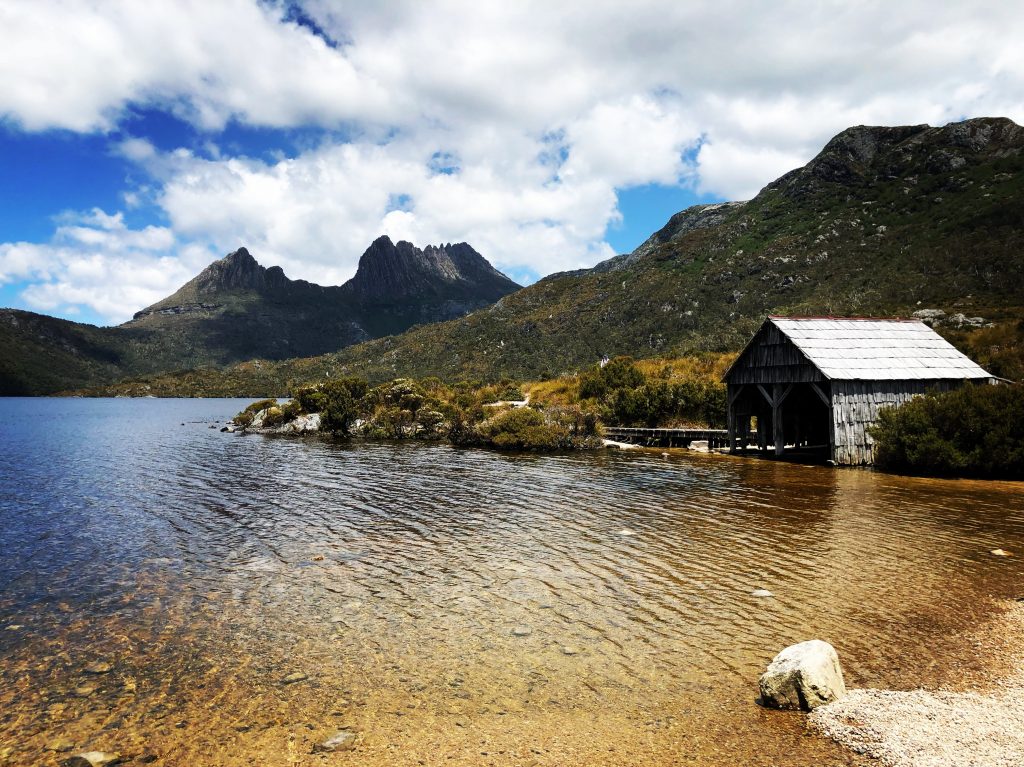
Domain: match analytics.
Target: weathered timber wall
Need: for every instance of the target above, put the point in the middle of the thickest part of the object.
(770, 358)
(855, 406)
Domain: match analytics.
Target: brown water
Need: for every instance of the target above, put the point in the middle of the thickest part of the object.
(453, 606)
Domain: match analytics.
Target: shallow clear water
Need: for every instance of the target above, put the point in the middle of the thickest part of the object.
(453, 606)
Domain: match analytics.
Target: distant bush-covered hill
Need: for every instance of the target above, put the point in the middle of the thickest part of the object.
(884, 221)
(237, 310)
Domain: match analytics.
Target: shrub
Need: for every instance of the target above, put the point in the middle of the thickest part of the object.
(619, 373)
(273, 417)
(430, 423)
(523, 429)
(971, 431)
(509, 392)
(338, 411)
(245, 418)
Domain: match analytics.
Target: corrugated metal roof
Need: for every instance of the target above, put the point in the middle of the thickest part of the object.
(877, 350)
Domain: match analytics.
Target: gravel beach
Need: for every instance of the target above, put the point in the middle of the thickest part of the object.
(980, 727)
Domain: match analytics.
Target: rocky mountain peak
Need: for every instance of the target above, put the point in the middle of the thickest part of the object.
(237, 271)
(389, 271)
(865, 154)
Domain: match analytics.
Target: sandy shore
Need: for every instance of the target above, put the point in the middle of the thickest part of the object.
(978, 721)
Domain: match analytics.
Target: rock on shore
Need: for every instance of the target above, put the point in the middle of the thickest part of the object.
(803, 676)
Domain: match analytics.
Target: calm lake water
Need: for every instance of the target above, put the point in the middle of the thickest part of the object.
(453, 606)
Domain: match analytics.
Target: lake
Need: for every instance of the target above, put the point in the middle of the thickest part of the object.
(246, 597)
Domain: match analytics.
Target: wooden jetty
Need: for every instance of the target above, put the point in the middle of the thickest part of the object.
(667, 437)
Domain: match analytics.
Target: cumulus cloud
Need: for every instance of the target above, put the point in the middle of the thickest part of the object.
(97, 262)
(513, 126)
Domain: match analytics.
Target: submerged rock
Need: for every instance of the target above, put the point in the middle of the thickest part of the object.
(60, 745)
(1000, 553)
(522, 631)
(93, 759)
(99, 667)
(762, 593)
(803, 676)
(342, 740)
(297, 676)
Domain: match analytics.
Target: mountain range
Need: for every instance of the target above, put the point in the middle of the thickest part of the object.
(884, 221)
(236, 309)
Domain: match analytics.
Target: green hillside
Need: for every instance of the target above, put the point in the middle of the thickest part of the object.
(883, 222)
(236, 310)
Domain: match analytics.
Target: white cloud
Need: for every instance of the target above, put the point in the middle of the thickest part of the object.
(541, 112)
(79, 65)
(95, 261)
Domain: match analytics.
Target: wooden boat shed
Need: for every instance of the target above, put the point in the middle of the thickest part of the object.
(815, 384)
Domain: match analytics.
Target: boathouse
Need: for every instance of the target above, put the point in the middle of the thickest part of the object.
(815, 384)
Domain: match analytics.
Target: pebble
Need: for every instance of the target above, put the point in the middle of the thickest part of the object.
(297, 676)
(1000, 553)
(626, 532)
(522, 631)
(342, 740)
(60, 745)
(570, 650)
(100, 667)
(93, 759)
(761, 593)
(85, 690)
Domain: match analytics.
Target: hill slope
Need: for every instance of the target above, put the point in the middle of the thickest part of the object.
(236, 309)
(884, 221)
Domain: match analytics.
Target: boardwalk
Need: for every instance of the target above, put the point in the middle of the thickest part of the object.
(667, 437)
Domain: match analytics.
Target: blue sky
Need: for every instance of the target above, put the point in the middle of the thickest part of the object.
(138, 142)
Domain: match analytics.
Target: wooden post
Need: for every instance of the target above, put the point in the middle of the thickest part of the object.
(827, 400)
(732, 394)
(777, 434)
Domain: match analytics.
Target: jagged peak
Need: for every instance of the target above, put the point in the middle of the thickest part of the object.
(392, 270)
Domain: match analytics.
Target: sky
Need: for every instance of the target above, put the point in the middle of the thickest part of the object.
(139, 141)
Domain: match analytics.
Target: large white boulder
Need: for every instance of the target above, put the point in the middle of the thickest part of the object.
(804, 676)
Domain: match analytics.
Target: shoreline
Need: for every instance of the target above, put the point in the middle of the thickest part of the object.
(975, 719)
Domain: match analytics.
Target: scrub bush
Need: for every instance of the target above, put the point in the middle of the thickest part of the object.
(975, 430)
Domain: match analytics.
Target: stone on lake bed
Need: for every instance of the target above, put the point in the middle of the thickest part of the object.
(522, 631)
(100, 667)
(93, 759)
(342, 740)
(85, 690)
(803, 676)
(1000, 553)
(60, 745)
(570, 650)
(761, 593)
(297, 676)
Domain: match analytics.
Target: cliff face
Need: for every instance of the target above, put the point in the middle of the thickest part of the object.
(390, 272)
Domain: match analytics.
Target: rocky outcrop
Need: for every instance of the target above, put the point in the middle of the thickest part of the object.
(803, 676)
(390, 272)
(693, 218)
(269, 421)
(864, 154)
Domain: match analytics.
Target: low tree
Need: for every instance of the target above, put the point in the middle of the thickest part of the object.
(975, 430)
